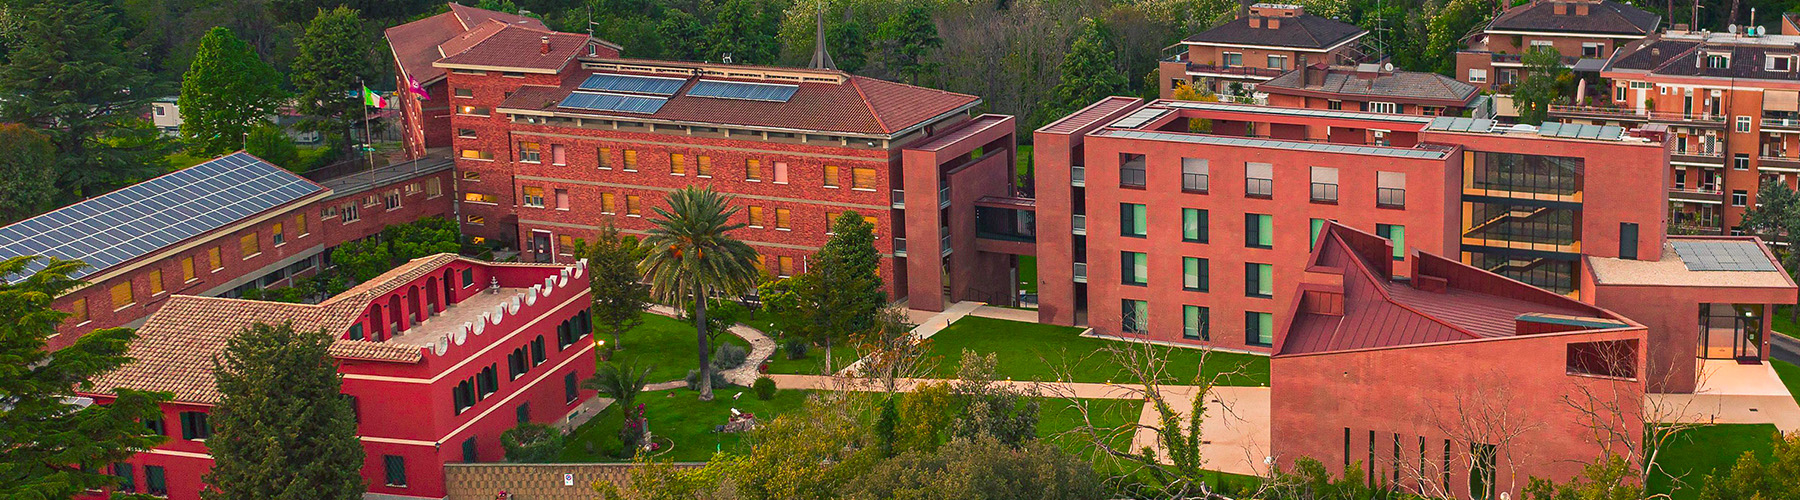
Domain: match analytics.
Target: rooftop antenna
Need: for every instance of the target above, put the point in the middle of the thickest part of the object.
(821, 58)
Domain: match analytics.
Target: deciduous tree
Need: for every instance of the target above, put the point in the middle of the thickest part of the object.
(227, 92)
(619, 293)
(907, 39)
(840, 293)
(1088, 74)
(274, 146)
(283, 428)
(329, 72)
(1540, 89)
(27, 172)
(1776, 477)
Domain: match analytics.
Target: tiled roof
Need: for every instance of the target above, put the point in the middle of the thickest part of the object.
(1378, 311)
(175, 348)
(513, 46)
(415, 44)
(1680, 55)
(859, 105)
(1304, 31)
(1346, 81)
(1604, 16)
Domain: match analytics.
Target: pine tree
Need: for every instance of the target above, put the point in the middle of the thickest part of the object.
(330, 71)
(27, 172)
(226, 93)
(66, 75)
(841, 292)
(746, 30)
(55, 449)
(849, 42)
(906, 39)
(1088, 74)
(283, 428)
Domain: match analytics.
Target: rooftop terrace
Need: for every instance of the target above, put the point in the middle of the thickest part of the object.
(1686, 261)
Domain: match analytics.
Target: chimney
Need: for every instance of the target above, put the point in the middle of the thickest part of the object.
(545, 50)
(1256, 21)
(1274, 23)
(1581, 9)
(1559, 8)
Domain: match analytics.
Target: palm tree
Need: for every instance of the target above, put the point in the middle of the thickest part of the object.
(690, 257)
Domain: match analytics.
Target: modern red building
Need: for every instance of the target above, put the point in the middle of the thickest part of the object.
(216, 229)
(420, 348)
(1447, 380)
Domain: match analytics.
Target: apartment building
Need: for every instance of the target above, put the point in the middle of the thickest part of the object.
(215, 229)
(1266, 41)
(1584, 32)
(1371, 87)
(420, 348)
(1731, 103)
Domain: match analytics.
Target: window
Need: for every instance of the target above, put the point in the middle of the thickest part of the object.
(466, 133)
(1739, 198)
(78, 311)
(434, 187)
(1258, 231)
(468, 278)
(1134, 316)
(1779, 64)
(756, 216)
(608, 203)
(248, 246)
(753, 170)
(862, 178)
(1277, 62)
(537, 351)
(703, 166)
(121, 295)
(562, 199)
(1195, 274)
(1477, 75)
(465, 92)
(1383, 107)
(477, 219)
(534, 197)
(487, 382)
(1628, 240)
(677, 164)
(631, 160)
(1133, 220)
(831, 176)
(1259, 280)
(1131, 170)
(781, 172)
(522, 414)
(634, 206)
(1194, 178)
(1318, 227)
(1259, 329)
(300, 225)
(565, 244)
(396, 469)
(476, 154)
(391, 199)
(1743, 124)
(155, 481)
(1481, 471)
(156, 281)
(783, 218)
(472, 110)
(785, 266)
(1134, 268)
(1717, 61)
(1194, 225)
(571, 388)
(1390, 189)
(471, 176)
(217, 263)
(277, 235)
(463, 395)
(1396, 234)
(1195, 322)
(1232, 59)
(1324, 185)
(468, 450)
(156, 426)
(1592, 50)
(194, 426)
(1740, 161)
(603, 158)
(1334, 104)
(1259, 180)
(127, 480)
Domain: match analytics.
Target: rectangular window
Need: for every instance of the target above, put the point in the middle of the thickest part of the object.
(533, 197)
(1740, 197)
(1259, 180)
(122, 296)
(217, 263)
(565, 244)
(784, 266)
(1133, 220)
(127, 480)
(1324, 184)
(703, 166)
(559, 155)
(1743, 124)
(1134, 268)
(677, 164)
(522, 414)
(249, 246)
(278, 235)
(1259, 231)
(477, 219)
(633, 205)
(300, 223)
(1277, 62)
(528, 152)
(466, 133)
(78, 312)
(1259, 280)
(783, 218)
(562, 199)
(1196, 322)
(756, 216)
(609, 203)
(1396, 234)
(1259, 329)
(1131, 170)
(1628, 240)
(465, 92)
(862, 178)
(1481, 470)
(1383, 107)
(752, 170)
(194, 426)
(1195, 274)
(1195, 176)
(156, 281)
(631, 160)
(1740, 161)
(781, 172)
(472, 110)
(831, 176)
(1592, 50)
(1232, 59)
(1194, 225)
(476, 154)
(571, 388)
(155, 481)
(1134, 316)
(1318, 226)
(395, 466)
(603, 158)
(468, 278)
(1477, 75)
(1390, 189)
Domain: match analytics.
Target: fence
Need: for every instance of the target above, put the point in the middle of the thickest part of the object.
(534, 481)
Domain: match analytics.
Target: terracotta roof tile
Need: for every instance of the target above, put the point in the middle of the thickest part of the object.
(415, 44)
(1397, 84)
(1303, 31)
(1603, 17)
(513, 46)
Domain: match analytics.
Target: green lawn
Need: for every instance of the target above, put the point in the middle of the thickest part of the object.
(668, 344)
(1033, 351)
(1780, 322)
(1028, 273)
(1057, 416)
(1790, 376)
(1700, 451)
(812, 364)
(678, 417)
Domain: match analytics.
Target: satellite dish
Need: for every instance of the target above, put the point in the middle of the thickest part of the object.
(1387, 67)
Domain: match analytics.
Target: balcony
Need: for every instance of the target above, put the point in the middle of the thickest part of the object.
(1079, 225)
(1791, 124)
(1078, 176)
(1634, 115)
(1778, 164)
(1081, 272)
(1702, 157)
(899, 199)
(1713, 196)
(1234, 71)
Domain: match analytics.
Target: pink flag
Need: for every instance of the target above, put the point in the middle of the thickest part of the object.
(419, 90)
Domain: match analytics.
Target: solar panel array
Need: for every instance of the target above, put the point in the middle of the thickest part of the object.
(1140, 117)
(133, 222)
(634, 84)
(1581, 131)
(1722, 256)
(1460, 124)
(1292, 145)
(743, 90)
(613, 102)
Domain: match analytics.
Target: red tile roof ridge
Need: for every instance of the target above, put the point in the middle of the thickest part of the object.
(864, 98)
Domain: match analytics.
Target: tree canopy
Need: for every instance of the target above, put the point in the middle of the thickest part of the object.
(283, 428)
(1088, 74)
(331, 69)
(226, 93)
(27, 184)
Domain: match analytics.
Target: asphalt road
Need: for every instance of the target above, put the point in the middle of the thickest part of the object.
(1784, 348)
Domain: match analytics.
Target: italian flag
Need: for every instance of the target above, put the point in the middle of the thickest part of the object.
(370, 98)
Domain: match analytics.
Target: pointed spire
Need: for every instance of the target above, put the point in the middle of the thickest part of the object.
(821, 59)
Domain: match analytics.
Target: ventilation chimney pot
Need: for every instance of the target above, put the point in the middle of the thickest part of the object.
(545, 50)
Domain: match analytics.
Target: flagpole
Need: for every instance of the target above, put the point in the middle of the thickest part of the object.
(368, 145)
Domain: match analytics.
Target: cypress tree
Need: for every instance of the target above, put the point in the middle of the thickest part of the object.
(283, 428)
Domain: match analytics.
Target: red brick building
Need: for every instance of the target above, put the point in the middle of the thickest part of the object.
(1578, 29)
(1451, 382)
(421, 349)
(1371, 87)
(216, 229)
(1266, 41)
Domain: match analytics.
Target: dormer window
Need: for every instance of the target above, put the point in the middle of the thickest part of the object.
(1779, 63)
(1717, 61)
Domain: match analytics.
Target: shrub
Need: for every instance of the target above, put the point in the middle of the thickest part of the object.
(764, 388)
(796, 348)
(729, 356)
(693, 380)
(531, 443)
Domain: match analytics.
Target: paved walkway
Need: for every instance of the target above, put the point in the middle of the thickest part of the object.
(1730, 393)
(761, 347)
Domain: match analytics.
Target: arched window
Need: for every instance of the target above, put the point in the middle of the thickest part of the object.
(537, 351)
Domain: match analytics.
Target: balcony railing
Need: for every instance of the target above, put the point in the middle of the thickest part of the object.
(1790, 123)
(1077, 176)
(1780, 162)
(1081, 272)
(899, 199)
(1079, 224)
(1702, 194)
(1218, 69)
(1634, 114)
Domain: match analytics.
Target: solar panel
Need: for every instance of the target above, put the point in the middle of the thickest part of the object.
(145, 217)
(1722, 256)
(653, 85)
(1141, 117)
(613, 102)
(743, 90)
(1581, 131)
(1460, 124)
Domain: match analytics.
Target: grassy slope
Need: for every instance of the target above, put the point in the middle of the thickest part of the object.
(1032, 351)
(678, 416)
(1701, 451)
(1790, 376)
(667, 343)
